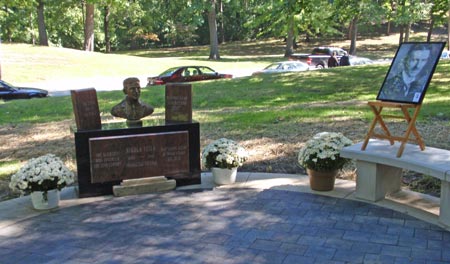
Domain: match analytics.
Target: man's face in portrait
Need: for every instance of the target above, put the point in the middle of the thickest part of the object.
(417, 61)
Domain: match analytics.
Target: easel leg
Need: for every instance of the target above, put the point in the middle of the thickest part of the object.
(377, 119)
(411, 128)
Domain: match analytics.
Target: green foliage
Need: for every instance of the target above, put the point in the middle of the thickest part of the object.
(180, 23)
(7, 168)
(408, 12)
(426, 184)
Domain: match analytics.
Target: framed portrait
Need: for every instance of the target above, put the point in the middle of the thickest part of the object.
(410, 72)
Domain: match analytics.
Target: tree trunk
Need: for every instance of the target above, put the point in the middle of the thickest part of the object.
(354, 33)
(89, 28)
(33, 36)
(222, 26)
(349, 34)
(290, 38)
(402, 29)
(448, 27)
(430, 30)
(388, 28)
(407, 31)
(43, 39)
(106, 30)
(213, 40)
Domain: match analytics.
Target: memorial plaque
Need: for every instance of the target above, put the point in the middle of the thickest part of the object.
(85, 109)
(138, 156)
(178, 103)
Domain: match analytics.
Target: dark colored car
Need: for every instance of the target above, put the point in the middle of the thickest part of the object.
(186, 74)
(9, 92)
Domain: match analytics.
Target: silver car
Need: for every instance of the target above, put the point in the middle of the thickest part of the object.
(284, 66)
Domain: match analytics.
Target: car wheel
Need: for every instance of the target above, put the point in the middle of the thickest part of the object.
(319, 66)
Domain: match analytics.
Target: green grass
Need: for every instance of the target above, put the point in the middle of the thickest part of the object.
(254, 101)
(8, 168)
(26, 63)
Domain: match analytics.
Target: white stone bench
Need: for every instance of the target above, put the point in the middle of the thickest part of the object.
(379, 171)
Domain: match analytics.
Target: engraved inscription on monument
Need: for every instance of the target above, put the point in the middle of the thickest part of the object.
(85, 108)
(178, 102)
(138, 156)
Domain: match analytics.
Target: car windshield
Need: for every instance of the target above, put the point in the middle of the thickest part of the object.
(273, 66)
(6, 86)
(169, 71)
(206, 70)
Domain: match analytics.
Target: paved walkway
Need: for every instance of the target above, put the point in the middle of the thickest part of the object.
(264, 218)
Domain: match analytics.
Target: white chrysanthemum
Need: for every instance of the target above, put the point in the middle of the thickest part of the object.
(41, 174)
(322, 151)
(223, 153)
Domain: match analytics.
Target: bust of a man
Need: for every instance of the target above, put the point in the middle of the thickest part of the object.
(131, 107)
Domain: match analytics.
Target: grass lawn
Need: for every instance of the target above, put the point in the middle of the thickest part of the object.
(271, 115)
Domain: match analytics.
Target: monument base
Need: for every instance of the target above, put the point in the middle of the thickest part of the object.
(88, 167)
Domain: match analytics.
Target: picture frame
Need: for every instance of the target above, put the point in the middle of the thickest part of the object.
(410, 72)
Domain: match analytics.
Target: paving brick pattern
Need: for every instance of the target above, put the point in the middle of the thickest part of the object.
(224, 226)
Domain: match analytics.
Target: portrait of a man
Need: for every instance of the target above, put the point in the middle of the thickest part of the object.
(411, 72)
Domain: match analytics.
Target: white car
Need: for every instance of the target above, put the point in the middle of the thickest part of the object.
(284, 66)
(359, 61)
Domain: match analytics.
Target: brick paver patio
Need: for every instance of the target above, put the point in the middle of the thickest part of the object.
(224, 226)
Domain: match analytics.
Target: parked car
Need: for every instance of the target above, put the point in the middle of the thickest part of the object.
(354, 60)
(319, 56)
(284, 66)
(186, 74)
(9, 92)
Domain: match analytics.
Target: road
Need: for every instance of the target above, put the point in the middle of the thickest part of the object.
(62, 87)
(102, 83)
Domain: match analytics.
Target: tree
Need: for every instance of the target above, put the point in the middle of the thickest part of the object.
(355, 12)
(89, 28)
(106, 28)
(291, 12)
(214, 42)
(408, 12)
(286, 18)
(43, 39)
(438, 14)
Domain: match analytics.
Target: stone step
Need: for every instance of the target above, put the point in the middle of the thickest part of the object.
(144, 188)
(148, 180)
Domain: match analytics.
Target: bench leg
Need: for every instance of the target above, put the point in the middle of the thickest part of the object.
(444, 215)
(374, 181)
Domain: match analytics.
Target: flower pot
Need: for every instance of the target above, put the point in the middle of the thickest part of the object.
(322, 180)
(41, 201)
(224, 176)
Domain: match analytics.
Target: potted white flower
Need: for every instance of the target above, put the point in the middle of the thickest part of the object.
(223, 157)
(320, 157)
(43, 178)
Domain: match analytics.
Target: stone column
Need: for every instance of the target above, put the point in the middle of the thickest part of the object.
(374, 180)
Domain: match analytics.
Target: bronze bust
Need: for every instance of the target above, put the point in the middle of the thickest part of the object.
(131, 107)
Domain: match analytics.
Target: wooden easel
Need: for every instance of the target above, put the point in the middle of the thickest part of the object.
(377, 108)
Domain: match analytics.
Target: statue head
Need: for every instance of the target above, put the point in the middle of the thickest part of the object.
(132, 88)
(132, 108)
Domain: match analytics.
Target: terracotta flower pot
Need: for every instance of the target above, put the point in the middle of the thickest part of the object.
(322, 180)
